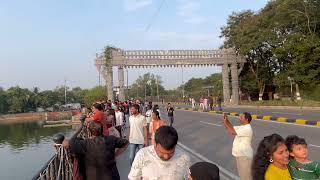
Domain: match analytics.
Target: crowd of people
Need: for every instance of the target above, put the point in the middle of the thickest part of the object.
(207, 103)
(151, 141)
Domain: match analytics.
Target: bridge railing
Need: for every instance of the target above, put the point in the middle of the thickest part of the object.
(60, 165)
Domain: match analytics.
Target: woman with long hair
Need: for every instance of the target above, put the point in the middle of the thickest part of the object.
(155, 124)
(271, 159)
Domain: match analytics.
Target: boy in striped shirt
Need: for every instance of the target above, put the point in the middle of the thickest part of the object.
(299, 166)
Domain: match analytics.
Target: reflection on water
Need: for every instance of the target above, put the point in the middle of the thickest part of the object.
(25, 147)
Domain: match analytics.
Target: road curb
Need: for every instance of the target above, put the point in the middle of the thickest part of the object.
(265, 117)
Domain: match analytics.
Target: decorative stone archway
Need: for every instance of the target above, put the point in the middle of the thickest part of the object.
(227, 58)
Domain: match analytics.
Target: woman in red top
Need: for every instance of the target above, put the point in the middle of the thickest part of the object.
(98, 115)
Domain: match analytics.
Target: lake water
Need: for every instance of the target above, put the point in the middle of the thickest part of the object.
(25, 148)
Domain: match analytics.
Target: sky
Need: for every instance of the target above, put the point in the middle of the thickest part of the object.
(43, 43)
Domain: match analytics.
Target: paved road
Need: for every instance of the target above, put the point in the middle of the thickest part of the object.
(307, 114)
(204, 133)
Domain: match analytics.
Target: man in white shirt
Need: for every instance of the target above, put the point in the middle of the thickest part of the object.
(242, 149)
(120, 121)
(161, 161)
(148, 114)
(138, 132)
(193, 103)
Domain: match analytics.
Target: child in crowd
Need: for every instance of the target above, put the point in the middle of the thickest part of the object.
(299, 166)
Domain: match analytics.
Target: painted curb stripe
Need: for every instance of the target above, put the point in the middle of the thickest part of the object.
(259, 117)
(291, 120)
(282, 119)
(234, 114)
(255, 117)
(266, 118)
(272, 118)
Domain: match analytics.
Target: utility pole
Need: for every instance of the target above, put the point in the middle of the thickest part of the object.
(291, 88)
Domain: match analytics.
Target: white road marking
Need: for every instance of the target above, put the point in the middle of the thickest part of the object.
(312, 145)
(223, 171)
(286, 113)
(211, 123)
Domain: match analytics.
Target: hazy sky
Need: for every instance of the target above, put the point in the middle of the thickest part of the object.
(42, 41)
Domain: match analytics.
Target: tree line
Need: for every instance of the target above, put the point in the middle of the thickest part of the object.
(281, 43)
(149, 86)
(19, 100)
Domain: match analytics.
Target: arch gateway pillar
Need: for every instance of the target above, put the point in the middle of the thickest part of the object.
(109, 82)
(234, 98)
(235, 83)
(227, 58)
(121, 83)
(226, 83)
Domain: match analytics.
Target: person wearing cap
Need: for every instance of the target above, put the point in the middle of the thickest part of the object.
(204, 171)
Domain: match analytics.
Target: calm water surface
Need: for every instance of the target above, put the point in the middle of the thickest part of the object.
(25, 147)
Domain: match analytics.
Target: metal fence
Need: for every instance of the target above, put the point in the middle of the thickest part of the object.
(60, 166)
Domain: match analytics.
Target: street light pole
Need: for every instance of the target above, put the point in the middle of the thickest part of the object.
(291, 89)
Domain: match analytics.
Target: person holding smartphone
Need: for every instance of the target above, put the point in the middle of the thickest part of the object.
(241, 149)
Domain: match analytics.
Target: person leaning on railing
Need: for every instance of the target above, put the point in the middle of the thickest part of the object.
(99, 152)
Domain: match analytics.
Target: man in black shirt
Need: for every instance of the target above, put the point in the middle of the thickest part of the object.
(99, 153)
(170, 111)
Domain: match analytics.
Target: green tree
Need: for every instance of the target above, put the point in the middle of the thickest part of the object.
(78, 95)
(49, 98)
(280, 40)
(197, 87)
(93, 95)
(147, 84)
(19, 99)
(4, 106)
